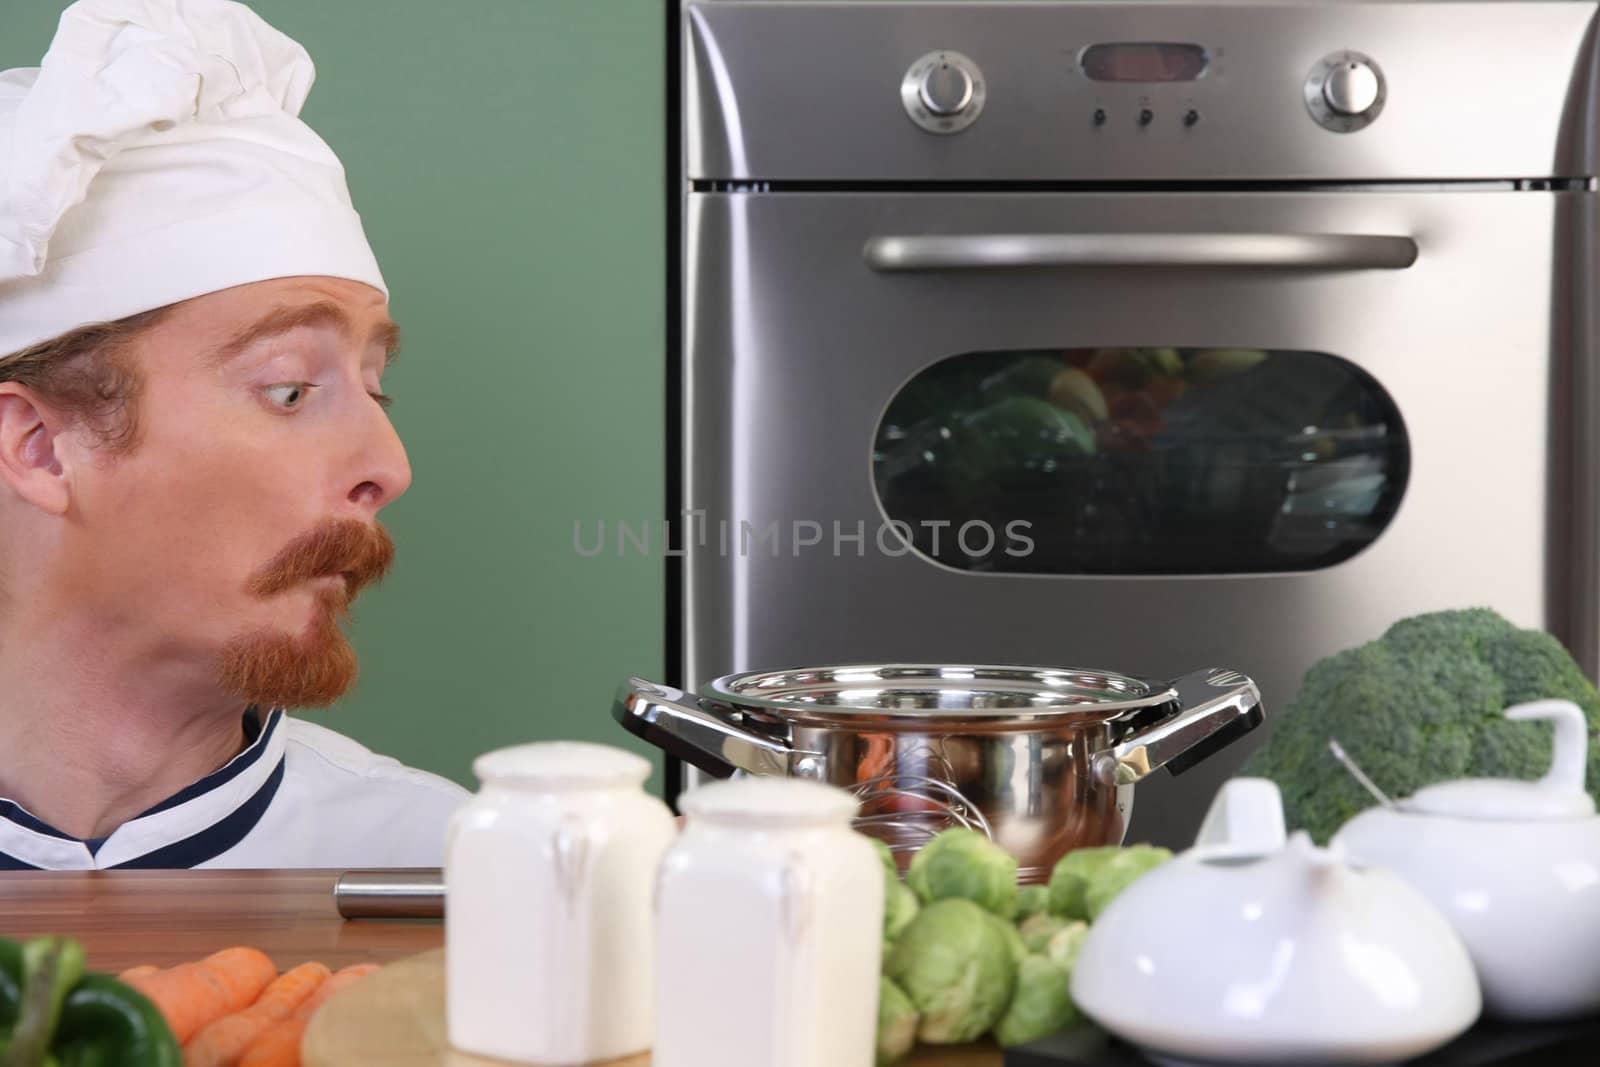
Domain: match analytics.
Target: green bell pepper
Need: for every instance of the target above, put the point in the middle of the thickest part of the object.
(108, 1024)
(10, 985)
(102, 1022)
(51, 966)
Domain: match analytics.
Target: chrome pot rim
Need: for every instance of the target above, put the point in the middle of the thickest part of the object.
(925, 693)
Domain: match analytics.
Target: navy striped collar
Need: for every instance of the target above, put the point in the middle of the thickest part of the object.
(195, 824)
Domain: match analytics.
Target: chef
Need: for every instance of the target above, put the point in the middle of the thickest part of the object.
(194, 450)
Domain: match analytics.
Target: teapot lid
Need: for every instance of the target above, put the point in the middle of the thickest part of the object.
(1558, 795)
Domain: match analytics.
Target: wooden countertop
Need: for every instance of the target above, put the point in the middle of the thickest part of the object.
(126, 918)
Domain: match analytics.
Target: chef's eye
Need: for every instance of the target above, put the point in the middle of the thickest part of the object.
(384, 400)
(292, 393)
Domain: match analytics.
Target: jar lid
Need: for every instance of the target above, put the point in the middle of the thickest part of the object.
(562, 765)
(1499, 798)
(771, 800)
(1559, 794)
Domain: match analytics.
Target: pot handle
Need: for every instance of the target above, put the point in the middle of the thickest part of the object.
(681, 726)
(1216, 707)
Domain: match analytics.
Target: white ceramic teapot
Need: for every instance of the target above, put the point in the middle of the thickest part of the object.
(1514, 865)
(1247, 949)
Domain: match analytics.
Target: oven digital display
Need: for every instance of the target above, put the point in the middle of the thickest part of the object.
(1144, 62)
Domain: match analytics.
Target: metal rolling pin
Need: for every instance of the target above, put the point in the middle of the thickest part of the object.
(400, 893)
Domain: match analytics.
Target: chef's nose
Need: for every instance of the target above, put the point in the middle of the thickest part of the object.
(383, 471)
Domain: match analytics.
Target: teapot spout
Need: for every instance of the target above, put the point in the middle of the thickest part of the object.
(1323, 866)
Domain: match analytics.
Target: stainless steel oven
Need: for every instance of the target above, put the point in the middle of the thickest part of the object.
(1136, 336)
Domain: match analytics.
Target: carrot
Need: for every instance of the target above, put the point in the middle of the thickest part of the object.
(132, 974)
(221, 1042)
(193, 994)
(280, 1046)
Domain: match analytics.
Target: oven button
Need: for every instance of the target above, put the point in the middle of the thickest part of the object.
(943, 92)
(1345, 91)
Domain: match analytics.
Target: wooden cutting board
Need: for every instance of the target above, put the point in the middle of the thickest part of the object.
(396, 1018)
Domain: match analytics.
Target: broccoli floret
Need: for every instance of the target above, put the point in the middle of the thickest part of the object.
(1422, 704)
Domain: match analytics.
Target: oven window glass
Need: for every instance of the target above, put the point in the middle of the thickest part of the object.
(1141, 461)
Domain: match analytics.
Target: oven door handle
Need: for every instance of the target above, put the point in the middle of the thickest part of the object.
(1275, 251)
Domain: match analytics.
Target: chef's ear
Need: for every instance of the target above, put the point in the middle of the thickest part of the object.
(30, 437)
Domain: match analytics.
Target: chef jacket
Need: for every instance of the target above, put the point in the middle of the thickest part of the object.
(299, 795)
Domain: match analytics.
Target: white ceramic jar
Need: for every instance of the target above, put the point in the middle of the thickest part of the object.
(769, 929)
(1514, 865)
(548, 877)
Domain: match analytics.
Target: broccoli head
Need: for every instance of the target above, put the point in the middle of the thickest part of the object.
(1422, 704)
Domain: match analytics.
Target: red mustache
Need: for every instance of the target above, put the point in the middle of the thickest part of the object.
(360, 552)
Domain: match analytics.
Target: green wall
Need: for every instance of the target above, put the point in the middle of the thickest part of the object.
(506, 156)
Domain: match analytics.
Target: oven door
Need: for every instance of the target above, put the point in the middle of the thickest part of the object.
(1143, 432)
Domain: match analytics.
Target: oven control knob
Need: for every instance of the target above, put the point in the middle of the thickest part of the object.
(946, 89)
(943, 92)
(1345, 91)
(1351, 88)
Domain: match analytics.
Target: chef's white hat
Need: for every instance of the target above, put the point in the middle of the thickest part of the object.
(156, 154)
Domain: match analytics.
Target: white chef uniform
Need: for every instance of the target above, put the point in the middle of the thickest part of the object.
(156, 154)
(299, 795)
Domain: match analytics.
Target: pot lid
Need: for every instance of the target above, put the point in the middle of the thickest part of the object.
(1558, 795)
(908, 691)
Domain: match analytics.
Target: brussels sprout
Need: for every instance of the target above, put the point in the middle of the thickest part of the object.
(1124, 869)
(899, 903)
(1013, 936)
(1066, 943)
(1042, 1004)
(1037, 930)
(964, 863)
(899, 908)
(1069, 882)
(1032, 900)
(897, 1023)
(954, 964)
(886, 856)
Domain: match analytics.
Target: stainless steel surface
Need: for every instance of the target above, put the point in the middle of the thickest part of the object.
(1036, 755)
(1351, 88)
(808, 309)
(747, 63)
(1346, 92)
(669, 719)
(937, 807)
(943, 92)
(921, 693)
(1468, 341)
(946, 89)
(396, 893)
(1262, 251)
(1216, 706)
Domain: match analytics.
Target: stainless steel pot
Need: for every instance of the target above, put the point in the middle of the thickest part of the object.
(1038, 753)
